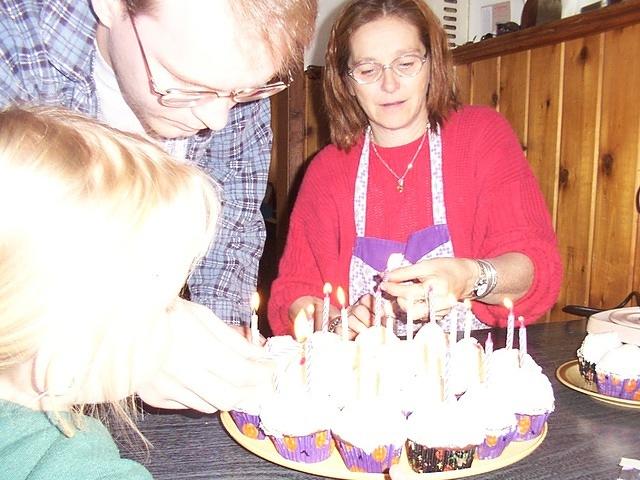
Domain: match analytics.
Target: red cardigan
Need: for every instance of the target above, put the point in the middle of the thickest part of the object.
(494, 205)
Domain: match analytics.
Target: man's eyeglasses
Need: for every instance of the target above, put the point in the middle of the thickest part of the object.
(184, 98)
(404, 66)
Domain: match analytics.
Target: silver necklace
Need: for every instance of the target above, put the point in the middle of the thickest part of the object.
(400, 178)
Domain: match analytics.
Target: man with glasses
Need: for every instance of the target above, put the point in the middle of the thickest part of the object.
(192, 74)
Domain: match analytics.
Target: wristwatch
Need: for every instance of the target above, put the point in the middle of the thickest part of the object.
(487, 280)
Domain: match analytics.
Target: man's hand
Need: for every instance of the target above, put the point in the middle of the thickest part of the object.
(204, 365)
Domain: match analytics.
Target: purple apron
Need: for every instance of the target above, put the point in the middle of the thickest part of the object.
(370, 255)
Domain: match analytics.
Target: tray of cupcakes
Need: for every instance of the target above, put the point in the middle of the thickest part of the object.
(607, 364)
(447, 407)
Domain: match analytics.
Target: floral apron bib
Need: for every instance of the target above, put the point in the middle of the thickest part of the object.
(370, 255)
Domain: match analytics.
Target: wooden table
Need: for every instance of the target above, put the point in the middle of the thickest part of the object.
(586, 438)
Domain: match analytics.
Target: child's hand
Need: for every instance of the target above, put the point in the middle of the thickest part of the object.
(207, 365)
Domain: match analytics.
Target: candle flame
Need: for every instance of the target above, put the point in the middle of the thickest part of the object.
(327, 289)
(310, 310)
(341, 296)
(507, 303)
(302, 329)
(521, 320)
(255, 301)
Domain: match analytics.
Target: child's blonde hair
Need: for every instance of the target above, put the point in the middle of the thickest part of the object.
(98, 231)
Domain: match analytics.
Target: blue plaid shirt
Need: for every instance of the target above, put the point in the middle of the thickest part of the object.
(46, 58)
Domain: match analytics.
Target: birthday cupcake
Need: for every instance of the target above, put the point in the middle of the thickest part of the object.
(443, 437)
(533, 401)
(498, 418)
(298, 426)
(618, 373)
(330, 363)
(369, 436)
(593, 348)
(467, 365)
(246, 416)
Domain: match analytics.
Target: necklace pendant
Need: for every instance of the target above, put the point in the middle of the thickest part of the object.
(400, 185)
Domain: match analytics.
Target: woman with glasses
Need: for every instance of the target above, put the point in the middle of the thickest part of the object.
(430, 201)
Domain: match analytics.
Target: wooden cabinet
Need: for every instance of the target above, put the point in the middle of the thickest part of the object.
(571, 91)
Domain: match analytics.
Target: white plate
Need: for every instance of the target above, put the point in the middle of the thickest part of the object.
(619, 320)
(569, 375)
(629, 316)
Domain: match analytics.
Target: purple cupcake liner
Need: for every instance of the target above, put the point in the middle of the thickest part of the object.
(494, 445)
(305, 449)
(248, 424)
(615, 386)
(426, 460)
(358, 460)
(587, 369)
(529, 426)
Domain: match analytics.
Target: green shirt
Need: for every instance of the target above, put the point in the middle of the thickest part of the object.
(32, 448)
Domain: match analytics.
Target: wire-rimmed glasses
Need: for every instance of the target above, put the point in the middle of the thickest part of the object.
(185, 98)
(407, 66)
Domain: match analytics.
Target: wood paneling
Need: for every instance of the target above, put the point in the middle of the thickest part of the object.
(578, 156)
(484, 82)
(615, 215)
(543, 121)
(514, 92)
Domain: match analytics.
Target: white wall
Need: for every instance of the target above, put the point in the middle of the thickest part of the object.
(327, 13)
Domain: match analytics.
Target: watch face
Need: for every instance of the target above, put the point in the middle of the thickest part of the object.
(481, 289)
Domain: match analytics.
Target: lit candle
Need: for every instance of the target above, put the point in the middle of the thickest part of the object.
(468, 318)
(453, 324)
(311, 310)
(377, 307)
(344, 317)
(510, 322)
(326, 304)
(410, 313)
(255, 333)
(522, 338)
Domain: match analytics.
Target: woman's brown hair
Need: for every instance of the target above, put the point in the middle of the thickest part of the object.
(347, 119)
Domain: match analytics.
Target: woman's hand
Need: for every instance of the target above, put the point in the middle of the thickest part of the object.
(433, 285)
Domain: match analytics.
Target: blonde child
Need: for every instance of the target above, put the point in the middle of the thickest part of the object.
(98, 232)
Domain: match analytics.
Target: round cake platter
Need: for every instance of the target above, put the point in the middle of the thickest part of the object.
(333, 467)
(569, 375)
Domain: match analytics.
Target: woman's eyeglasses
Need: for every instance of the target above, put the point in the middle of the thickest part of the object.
(407, 66)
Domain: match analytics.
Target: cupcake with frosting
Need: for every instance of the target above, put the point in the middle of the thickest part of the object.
(618, 373)
(533, 402)
(498, 418)
(432, 341)
(467, 365)
(246, 416)
(298, 425)
(369, 435)
(330, 364)
(593, 348)
(443, 437)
